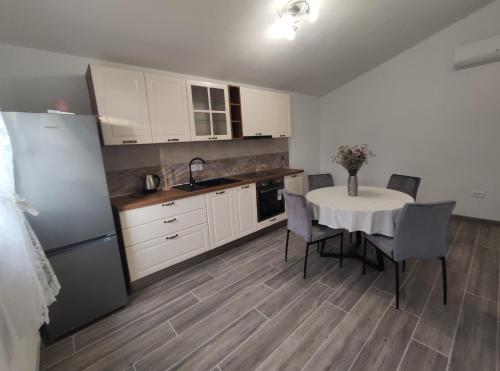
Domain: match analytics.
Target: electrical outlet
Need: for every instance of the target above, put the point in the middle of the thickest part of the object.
(478, 194)
(196, 167)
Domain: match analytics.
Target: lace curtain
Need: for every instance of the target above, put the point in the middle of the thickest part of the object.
(27, 282)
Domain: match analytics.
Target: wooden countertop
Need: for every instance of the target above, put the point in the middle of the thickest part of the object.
(129, 202)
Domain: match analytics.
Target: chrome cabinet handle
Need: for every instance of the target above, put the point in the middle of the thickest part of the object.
(272, 219)
(172, 237)
(168, 204)
(173, 140)
(258, 133)
(293, 176)
(170, 221)
(219, 193)
(211, 138)
(129, 141)
(282, 135)
(244, 187)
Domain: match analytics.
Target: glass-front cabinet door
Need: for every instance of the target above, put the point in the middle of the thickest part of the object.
(209, 109)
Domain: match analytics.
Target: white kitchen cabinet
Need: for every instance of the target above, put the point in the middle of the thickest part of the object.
(165, 210)
(209, 111)
(295, 183)
(153, 255)
(245, 209)
(168, 108)
(265, 113)
(158, 228)
(221, 220)
(120, 101)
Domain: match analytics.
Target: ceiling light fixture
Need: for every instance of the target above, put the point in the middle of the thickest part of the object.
(290, 15)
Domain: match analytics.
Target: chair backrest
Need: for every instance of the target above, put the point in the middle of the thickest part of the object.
(320, 181)
(405, 184)
(299, 215)
(421, 230)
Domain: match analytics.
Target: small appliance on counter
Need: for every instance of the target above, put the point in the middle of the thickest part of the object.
(151, 183)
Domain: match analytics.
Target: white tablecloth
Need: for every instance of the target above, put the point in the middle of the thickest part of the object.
(373, 211)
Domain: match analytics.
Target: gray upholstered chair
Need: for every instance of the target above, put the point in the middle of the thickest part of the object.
(405, 184)
(300, 223)
(320, 181)
(421, 233)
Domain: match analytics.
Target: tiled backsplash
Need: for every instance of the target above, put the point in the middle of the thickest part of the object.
(126, 166)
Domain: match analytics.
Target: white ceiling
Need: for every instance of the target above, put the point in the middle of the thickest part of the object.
(227, 40)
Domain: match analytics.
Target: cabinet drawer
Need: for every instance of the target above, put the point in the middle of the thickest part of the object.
(143, 215)
(271, 221)
(149, 231)
(154, 255)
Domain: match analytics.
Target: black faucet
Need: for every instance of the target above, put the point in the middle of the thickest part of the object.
(191, 179)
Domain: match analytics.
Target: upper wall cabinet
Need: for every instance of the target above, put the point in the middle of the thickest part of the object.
(168, 108)
(209, 111)
(120, 101)
(265, 113)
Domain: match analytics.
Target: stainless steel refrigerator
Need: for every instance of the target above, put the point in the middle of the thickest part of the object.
(59, 171)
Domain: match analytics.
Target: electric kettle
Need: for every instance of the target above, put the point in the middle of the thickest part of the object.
(151, 182)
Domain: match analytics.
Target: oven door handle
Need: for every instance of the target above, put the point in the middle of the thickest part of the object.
(270, 189)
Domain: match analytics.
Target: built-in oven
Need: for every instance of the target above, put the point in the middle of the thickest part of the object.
(269, 198)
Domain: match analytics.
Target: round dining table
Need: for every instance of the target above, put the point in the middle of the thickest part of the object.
(374, 211)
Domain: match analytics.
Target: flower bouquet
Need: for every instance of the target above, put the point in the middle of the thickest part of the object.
(352, 158)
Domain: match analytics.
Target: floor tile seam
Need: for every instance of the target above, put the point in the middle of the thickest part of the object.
(431, 348)
(217, 334)
(294, 331)
(238, 295)
(461, 308)
(419, 318)
(107, 335)
(210, 338)
(372, 332)
(481, 297)
(47, 366)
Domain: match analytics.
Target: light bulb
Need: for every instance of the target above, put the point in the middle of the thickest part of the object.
(313, 10)
(283, 28)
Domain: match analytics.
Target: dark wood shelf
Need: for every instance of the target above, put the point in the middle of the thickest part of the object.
(235, 103)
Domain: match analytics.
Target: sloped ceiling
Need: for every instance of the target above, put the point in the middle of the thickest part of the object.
(227, 39)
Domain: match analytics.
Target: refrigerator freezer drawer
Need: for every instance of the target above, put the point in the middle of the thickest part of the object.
(92, 285)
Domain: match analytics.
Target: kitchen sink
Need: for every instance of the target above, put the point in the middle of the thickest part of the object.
(204, 184)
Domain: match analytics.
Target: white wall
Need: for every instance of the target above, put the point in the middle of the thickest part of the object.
(304, 144)
(32, 80)
(423, 118)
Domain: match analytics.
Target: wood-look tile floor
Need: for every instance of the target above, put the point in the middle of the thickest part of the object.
(247, 309)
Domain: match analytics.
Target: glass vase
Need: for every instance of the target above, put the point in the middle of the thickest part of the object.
(352, 185)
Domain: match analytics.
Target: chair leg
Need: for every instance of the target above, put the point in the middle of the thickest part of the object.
(286, 246)
(404, 265)
(305, 260)
(445, 281)
(364, 256)
(341, 249)
(396, 269)
(322, 248)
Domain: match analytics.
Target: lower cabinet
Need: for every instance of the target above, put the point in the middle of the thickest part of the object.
(232, 213)
(158, 236)
(295, 183)
(245, 209)
(221, 220)
(153, 255)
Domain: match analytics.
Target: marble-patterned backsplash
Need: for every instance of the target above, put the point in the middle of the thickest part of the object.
(173, 168)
